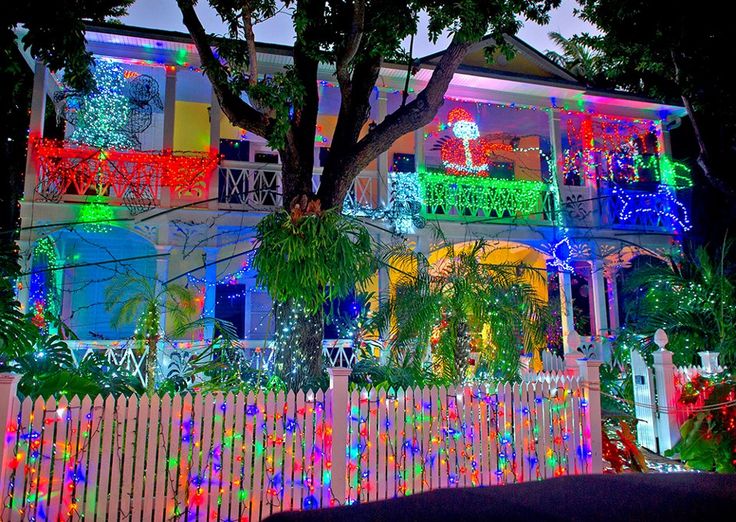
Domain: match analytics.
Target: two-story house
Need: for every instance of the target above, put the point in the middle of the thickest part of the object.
(151, 178)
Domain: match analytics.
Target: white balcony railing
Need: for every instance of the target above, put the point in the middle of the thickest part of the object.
(258, 186)
(173, 357)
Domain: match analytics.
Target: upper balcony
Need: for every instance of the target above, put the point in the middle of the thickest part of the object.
(483, 162)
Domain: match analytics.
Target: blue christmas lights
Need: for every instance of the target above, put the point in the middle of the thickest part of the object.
(660, 205)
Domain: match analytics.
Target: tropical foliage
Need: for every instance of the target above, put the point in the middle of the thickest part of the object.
(312, 256)
(136, 298)
(307, 257)
(222, 366)
(694, 301)
(578, 58)
(708, 440)
(45, 362)
(467, 311)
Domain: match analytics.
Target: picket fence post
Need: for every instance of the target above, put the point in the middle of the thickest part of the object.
(591, 377)
(709, 363)
(572, 355)
(8, 389)
(668, 429)
(338, 418)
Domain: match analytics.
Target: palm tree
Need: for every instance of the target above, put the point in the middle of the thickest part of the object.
(694, 302)
(578, 58)
(462, 305)
(140, 299)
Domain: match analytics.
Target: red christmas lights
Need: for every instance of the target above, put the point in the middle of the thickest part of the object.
(467, 154)
(66, 166)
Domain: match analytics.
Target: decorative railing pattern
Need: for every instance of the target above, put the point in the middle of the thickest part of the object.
(133, 176)
(173, 358)
(258, 186)
(253, 186)
(453, 197)
(579, 206)
(659, 208)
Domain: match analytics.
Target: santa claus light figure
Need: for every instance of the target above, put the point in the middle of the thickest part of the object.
(467, 154)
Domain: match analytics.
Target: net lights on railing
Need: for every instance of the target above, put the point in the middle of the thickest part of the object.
(493, 196)
(65, 164)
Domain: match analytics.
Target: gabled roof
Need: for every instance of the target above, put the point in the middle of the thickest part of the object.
(527, 63)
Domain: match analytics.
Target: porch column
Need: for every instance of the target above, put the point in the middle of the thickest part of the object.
(169, 116)
(162, 275)
(599, 302)
(566, 312)
(35, 129)
(210, 291)
(611, 273)
(25, 259)
(214, 182)
(419, 149)
(555, 136)
(382, 162)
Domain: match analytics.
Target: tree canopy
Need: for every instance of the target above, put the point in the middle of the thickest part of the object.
(677, 54)
(354, 37)
(55, 32)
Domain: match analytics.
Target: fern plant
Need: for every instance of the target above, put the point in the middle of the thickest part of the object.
(305, 258)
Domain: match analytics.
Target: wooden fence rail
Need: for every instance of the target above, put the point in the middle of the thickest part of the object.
(242, 457)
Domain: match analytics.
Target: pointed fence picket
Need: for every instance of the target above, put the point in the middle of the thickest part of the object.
(242, 457)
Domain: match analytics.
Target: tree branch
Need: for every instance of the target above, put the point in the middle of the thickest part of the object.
(237, 111)
(250, 40)
(352, 44)
(414, 115)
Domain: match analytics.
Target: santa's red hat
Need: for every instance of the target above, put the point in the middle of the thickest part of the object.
(458, 114)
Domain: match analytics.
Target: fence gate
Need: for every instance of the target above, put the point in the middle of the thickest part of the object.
(646, 429)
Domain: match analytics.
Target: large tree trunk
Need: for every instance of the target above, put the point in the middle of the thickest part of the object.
(298, 339)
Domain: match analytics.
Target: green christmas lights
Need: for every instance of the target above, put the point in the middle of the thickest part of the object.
(469, 195)
(96, 215)
(101, 118)
(674, 174)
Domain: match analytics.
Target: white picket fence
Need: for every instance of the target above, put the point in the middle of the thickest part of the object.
(243, 457)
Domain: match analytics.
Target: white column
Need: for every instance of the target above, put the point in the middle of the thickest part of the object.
(566, 311)
(590, 374)
(422, 244)
(169, 116)
(668, 429)
(419, 149)
(35, 129)
(611, 273)
(555, 137)
(210, 291)
(25, 259)
(250, 284)
(599, 302)
(214, 182)
(382, 162)
(162, 275)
